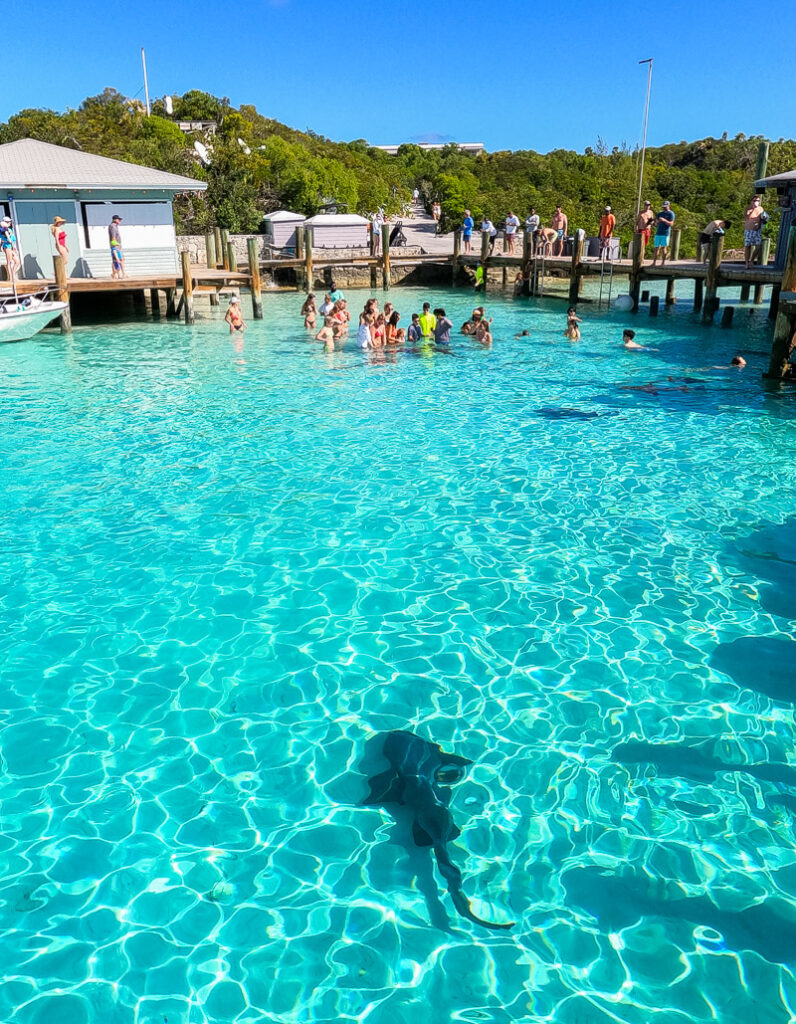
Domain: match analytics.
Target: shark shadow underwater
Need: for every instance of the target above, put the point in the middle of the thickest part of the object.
(419, 779)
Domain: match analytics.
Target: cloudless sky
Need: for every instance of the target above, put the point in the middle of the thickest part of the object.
(518, 74)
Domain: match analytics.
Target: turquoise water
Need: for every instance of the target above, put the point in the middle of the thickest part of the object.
(228, 565)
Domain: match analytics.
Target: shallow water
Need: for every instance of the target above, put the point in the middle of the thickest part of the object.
(229, 564)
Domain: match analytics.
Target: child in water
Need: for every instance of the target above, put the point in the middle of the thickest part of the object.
(308, 311)
(234, 316)
(572, 333)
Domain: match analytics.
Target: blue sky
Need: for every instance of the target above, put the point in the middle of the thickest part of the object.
(513, 75)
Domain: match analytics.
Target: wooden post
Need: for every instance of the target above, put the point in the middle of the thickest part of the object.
(385, 257)
(300, 256)
(654, 301)
(762, 161)
(670, 296)
(773, 302)
(374, 276)
(727, 315)
(505, 278)
(575, 266)
(710, 308)
(139, 300)
(699, 285)
(635, 272)
(254, 275)
(457, 251)
(765, 252)
(224, 248)
(645, 295)
(62, 292)
(745, 293)
(171, 307)
(232, 257)
(210, 250)
(217, 236)
(187, 288)
(674, 251)
(308, 276)
(785, 328)
(712, 281)
(154, 301)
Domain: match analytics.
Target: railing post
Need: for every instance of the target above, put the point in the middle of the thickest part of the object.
(575, 267)
(308, 275)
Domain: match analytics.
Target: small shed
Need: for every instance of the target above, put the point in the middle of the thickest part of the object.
(280, 228)
(338, 231)
(785, 185)
(39, 181)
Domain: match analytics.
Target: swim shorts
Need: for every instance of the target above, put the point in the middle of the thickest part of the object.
(559, 233)
(116, 257)
(661, 242)
(645, 236)
(752, 238)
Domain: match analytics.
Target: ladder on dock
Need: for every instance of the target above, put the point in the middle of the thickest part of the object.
(603, 276)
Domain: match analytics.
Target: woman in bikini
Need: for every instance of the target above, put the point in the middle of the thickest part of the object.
(309, 312)
(572, 333)
(394, 334)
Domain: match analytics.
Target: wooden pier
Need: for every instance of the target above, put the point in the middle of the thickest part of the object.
(181, 289)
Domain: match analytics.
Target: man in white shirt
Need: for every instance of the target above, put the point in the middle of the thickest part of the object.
(512, 223)
(532, 222)
(488, 228)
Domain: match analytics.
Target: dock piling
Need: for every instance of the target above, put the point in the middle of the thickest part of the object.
(785, 327)
(636, 271)
(62, 292)
(217, 250)
(224, 253)
(745, 292)
(385, 258)
(300, 256)
(232, 257)
(671, 298)
(675, 246)
(654, 302)
(765, 252)
(727, 315)
(715, 251)
(210, 250)
(254, 274)
(457, 252)
(154, 301)
(171, 307)
(308, 276)
(575, 267)
(187, 288)
(484, 256)
(699, 286)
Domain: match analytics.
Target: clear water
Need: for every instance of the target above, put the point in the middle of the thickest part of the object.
(228, 565)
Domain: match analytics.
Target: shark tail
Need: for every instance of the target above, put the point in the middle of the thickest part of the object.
(453, 877)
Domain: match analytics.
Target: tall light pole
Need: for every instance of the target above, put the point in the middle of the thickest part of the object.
(648, 61)
(146, 84)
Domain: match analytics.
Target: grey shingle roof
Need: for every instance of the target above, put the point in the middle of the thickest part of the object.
(29, 163)
(776, 179)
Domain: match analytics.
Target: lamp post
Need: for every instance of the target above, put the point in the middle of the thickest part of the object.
(648, 61)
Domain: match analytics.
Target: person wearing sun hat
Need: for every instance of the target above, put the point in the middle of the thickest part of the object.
(58, 233)
(8, 245)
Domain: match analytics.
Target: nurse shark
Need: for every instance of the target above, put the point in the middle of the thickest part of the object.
(419, 778)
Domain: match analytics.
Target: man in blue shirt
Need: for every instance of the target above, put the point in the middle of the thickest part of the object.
(663, 227)
(467, 231)
(335, 294)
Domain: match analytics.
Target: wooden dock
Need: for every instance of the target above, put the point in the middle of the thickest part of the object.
(181, 288)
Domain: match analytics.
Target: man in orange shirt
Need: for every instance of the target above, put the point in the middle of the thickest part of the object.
(607, 225)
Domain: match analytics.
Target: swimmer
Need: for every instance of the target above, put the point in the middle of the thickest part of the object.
(234, 316)
(483, 334)
(308, 311)
(394, 334)
(573, 325)
(633, 346)
(523, 334)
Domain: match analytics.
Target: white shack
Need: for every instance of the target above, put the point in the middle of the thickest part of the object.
(338, 230)
(280, 228)
(39, 181)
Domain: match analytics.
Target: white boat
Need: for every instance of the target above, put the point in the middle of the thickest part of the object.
(23, 316)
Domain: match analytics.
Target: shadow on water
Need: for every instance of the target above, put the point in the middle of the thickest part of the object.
(765, 664)
(770, 554)
(620, 901)
(678, 760)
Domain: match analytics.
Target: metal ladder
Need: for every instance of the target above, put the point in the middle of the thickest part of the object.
(610, 278)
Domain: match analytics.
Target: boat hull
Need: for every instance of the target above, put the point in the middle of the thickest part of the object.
(26, 323)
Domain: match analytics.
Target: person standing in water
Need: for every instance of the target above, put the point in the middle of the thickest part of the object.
(234, 316)
(573, 325)
(427, 320)
(442, 328)
(308, 311)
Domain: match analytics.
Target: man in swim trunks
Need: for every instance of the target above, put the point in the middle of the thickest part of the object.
(8, 245)
(754, 219)
(117, 256)
(544, 239)
(234, 316)
(512, 223)
(559, 224)
(467, 231)
(644, 222)
(664, 221)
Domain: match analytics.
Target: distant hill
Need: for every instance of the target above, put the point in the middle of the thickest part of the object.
(258, 165)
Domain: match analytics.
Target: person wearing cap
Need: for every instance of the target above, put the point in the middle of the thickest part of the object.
(607, 225)
(8, 245)
(663, 227)
(59, 235)
(644, 222)
(234, 316)
(117, 256)
(512, 223)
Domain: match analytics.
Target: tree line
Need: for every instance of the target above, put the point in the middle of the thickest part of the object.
(257, 165)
